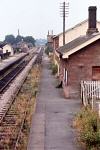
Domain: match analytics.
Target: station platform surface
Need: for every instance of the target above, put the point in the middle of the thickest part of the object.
(52, 122)
(6, 62)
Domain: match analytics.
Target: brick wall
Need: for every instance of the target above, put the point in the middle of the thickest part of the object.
(56, 42)
(79, 66)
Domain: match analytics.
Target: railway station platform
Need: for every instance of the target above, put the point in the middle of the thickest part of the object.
(51, 127)
(6, 62)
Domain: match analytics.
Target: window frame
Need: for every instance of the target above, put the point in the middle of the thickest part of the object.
(65, 77)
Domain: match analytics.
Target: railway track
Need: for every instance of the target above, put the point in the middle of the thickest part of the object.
(4, 82)
(7, 78)
(15, 123)
(8, 116)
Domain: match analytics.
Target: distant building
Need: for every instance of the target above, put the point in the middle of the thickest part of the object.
(6, 50)
(22, 46)
(50, 40)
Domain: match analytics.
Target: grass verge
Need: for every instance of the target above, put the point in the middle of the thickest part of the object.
(87, 123)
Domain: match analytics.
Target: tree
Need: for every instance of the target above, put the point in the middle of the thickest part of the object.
(10, 39)
(19, 39)
(29, 39)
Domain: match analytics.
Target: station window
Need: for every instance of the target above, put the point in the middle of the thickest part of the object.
(96, 73)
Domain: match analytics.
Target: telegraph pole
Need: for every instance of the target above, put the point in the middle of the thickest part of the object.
(64, 13)
(63, 23)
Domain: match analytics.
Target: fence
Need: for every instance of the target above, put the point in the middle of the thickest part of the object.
(90, 90)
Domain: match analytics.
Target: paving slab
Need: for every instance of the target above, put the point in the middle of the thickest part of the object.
(52, 122)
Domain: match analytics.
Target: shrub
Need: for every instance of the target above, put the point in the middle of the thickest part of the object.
(88, 124)
(54, 69)
(48, 50)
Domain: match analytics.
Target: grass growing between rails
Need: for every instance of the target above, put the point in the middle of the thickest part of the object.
(87, 123)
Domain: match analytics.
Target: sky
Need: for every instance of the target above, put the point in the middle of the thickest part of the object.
(36, 17)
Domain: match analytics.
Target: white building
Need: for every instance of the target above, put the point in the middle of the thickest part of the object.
(8, 48)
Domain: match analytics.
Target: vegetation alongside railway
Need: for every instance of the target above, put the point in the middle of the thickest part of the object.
(30, 89)
(87, 122)
(18, 118)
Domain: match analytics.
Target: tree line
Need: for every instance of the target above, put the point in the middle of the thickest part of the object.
(14, 40)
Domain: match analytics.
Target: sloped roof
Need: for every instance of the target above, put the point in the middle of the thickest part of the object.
(77, 44)
(2, 44)
(77, 25)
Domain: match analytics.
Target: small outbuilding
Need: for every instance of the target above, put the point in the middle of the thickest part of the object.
(6, 50)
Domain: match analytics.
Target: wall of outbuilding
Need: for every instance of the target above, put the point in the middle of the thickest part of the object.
(79, 67)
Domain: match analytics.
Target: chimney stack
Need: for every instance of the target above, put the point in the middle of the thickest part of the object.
(92, 21)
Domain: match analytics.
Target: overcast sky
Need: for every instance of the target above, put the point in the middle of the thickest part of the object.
(36, 17)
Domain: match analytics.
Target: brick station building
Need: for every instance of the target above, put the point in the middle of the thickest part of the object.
(80, 59)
